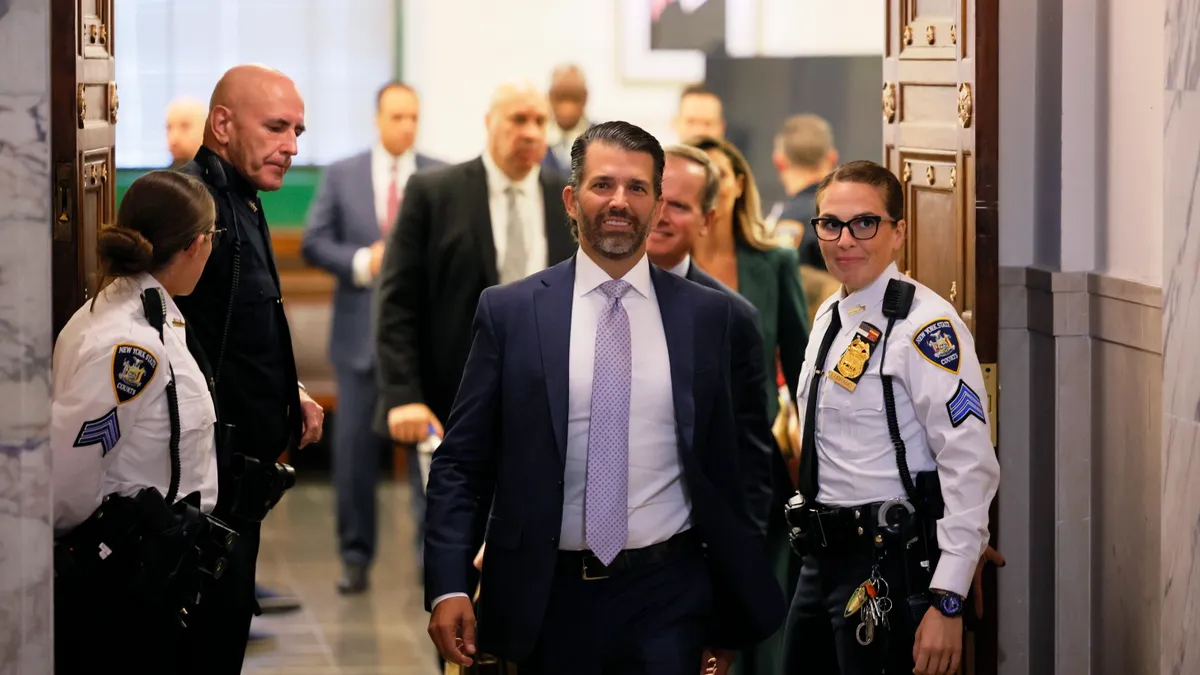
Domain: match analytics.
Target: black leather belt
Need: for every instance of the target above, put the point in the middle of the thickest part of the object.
(631, 558)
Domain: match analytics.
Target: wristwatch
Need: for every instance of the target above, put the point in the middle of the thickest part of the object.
(949, 604)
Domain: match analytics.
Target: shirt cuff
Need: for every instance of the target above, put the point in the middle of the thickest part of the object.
(954, 573)
(361, 267)
(433, 605)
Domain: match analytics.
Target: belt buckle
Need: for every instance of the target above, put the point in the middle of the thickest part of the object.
(587, 575)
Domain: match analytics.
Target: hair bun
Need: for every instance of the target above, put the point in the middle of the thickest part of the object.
(125, 252)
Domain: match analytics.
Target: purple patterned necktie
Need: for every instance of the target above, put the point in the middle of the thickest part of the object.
(608, 434)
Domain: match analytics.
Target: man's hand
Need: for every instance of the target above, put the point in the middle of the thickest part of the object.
(452, 627)
(410, 423)
(376, 257)
(314, 419)
(990, 555)
(937, 648)
(717, 661)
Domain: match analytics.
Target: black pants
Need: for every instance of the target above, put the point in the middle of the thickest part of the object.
(820, 640)
(217, 644)
(105, 629)
(648, 620)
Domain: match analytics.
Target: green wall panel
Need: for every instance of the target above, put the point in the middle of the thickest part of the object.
(286, 208)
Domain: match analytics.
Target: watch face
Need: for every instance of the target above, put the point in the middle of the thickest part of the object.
(951, 604)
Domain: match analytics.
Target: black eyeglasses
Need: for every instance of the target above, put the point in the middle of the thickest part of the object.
(861, 227)
(215, 235)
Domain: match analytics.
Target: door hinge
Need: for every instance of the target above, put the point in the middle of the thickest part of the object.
(992, 385)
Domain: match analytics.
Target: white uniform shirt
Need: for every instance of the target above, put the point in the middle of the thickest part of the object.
(530, 207)
(941, 408)
(110, 430)
(659, 507)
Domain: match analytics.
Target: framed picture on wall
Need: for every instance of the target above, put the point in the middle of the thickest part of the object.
(667, 40)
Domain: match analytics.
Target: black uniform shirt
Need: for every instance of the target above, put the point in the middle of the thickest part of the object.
(256, 370)
(802, 208)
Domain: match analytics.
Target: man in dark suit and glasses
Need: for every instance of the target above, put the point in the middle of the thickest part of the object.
(493, 219)
(356, 206)
(595, 435)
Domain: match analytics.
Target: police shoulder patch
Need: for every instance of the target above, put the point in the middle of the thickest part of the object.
(938, 343)
(964, 405)
(133, 369)
(106, 431)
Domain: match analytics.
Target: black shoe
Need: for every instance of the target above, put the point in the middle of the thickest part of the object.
(354, 579)
(275, 603)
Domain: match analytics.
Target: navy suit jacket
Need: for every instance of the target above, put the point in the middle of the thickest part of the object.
(500, 466)
(748, 388)
(342, 220)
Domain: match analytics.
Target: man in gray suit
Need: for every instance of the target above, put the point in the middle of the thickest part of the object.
(355, 207)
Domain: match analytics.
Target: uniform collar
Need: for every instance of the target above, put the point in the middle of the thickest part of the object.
(233, 177)
(174, 318)
(865, 300)
(499, 182)
(589, 276)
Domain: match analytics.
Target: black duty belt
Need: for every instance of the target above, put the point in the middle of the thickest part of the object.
(631, 558)
(853, 529)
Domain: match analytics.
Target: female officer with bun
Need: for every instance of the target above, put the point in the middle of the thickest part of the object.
(897, 469)
(132, 410)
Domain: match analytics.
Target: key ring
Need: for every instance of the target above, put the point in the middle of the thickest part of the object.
(859, 634)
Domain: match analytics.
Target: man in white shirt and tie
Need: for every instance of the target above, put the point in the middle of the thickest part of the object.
(356, 206)
(568, 103)
(594, 432)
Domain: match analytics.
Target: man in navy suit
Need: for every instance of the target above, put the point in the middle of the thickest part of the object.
(356, 205)
(595, 436)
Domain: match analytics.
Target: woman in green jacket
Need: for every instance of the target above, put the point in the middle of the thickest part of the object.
(738, 250)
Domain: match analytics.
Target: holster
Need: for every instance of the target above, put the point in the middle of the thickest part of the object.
(258, 486)
(144, 549)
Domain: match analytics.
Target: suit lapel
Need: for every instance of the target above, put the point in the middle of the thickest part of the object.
(558, 236)
(366, 200)
(552, 305)
(754, 276)
(678, 322)
(480, 217)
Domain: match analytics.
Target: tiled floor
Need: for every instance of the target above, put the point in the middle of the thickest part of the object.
(381, 632)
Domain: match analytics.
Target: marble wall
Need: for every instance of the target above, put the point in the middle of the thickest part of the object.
(25, 340)
(1080, 448)
(1179, 588)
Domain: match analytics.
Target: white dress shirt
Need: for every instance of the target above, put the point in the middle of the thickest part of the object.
(110, 430)
(560, 140)
(529, 204)
(659, 507)
(682, 268)
(856, 459)
(382, 163)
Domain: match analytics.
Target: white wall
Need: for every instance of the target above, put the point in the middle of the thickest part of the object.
(1131, 246)
(457, 51)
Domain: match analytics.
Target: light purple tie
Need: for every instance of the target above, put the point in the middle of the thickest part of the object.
(608, 434)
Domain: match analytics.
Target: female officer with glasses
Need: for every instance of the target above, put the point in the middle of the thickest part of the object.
(897, 469)
(116, 377)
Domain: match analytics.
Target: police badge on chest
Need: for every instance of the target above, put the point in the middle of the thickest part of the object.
(853, 362)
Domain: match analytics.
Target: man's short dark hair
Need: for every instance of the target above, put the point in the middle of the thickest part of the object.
(868, 173)
(394, 84)
(621, 135)
(698, 89)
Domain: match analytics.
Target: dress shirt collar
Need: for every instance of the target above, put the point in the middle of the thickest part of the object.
(867, 298)
(498, 182)
(589, 276)
(405, 163)
(556, 134)
(682, 268)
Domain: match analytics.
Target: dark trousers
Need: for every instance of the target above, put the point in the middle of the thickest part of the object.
(356, 453)
(103, 629)
(820, 640)
(221, 628)
(647, 620)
